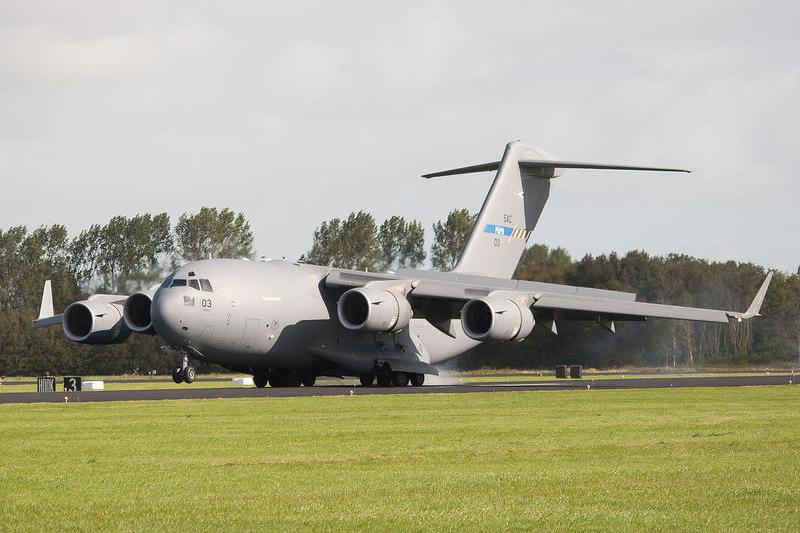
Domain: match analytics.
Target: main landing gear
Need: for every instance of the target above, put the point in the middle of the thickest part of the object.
(392, 379)
(184, 373)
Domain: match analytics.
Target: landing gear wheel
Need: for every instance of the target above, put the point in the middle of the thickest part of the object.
(400, 379)
(308, 380)
(189, 374)
(384, 380)
(260, 379)
(367, 381)
(177, 375)
(417, 379)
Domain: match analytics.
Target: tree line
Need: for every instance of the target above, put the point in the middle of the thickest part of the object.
(126, 254)
(121, 256)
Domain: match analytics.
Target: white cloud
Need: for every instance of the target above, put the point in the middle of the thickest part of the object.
(330, 107)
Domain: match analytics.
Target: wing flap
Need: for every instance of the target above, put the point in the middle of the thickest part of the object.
(630, 309)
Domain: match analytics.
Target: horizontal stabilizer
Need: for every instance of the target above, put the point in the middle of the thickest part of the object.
(465, 170)
(543, 165)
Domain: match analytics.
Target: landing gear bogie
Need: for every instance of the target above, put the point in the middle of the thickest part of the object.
(388, 378)
(400, 379)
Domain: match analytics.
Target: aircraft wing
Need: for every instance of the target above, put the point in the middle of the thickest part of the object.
(557, 302)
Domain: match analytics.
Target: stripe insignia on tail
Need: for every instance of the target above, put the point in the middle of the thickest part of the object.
(507, 231)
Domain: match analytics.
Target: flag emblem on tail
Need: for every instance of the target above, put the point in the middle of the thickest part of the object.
(507, 231)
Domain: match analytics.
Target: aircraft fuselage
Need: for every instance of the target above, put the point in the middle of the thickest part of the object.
(248, 315)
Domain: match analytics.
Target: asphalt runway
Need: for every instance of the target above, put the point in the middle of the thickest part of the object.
(189, 393)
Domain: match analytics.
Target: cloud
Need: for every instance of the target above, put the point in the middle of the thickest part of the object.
(298, 112)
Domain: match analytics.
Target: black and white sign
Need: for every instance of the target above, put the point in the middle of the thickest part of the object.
(46, 384)
(72, 383)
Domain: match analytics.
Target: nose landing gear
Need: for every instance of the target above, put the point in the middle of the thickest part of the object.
(184, 373)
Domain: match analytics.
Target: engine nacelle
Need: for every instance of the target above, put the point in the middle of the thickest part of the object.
(94, 322)
(137, 312)
(375, 310)
(496, 319)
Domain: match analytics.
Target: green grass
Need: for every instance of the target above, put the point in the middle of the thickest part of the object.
(665, 459)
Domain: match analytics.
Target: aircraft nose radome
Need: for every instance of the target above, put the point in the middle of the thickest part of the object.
(165, 313)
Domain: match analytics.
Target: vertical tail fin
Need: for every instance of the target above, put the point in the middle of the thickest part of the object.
(513, 206)
(509, 213)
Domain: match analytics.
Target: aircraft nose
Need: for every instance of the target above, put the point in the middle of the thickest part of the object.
(166, 312)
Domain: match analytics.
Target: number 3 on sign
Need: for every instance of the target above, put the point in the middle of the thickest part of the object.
(72, 384)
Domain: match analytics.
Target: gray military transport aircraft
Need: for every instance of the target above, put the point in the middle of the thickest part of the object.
(287, 323)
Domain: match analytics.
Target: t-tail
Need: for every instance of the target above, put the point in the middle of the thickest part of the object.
(513, 206)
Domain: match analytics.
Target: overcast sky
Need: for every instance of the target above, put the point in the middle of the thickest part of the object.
(296, 112)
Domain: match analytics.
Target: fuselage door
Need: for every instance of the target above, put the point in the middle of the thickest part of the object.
(250, 338)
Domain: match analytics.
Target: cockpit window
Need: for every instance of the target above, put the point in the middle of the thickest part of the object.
(193, 284)
(206, 285)
(178, 283)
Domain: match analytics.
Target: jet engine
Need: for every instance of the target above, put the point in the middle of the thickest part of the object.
(95, 321)
(375, 310)
(137, 312)
(496, 319)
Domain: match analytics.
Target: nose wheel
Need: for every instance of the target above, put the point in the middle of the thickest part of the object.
(184, 373)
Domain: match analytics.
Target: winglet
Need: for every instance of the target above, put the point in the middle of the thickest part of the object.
(755, 305)
(46, 315)
(46, 308)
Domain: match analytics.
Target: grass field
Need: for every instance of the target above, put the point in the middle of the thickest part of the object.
(659, 459)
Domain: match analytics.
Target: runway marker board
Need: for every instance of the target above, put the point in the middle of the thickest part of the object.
(72, 383)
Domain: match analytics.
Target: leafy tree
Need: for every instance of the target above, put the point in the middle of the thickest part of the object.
(402, 244)
(450, 237)
(358, 243)
(211, 233)
(123, 254)
(326, 242)
(539, 263)
(27, 259)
